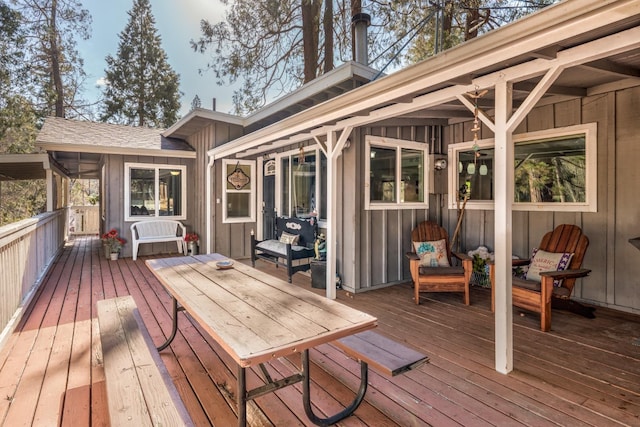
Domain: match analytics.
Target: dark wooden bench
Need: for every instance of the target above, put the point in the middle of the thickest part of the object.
(383, 354)
(139, 388)
(285, 254)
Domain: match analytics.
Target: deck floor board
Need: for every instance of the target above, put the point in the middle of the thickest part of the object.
(584, 372)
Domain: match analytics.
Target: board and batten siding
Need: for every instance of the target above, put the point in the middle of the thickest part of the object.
(232, 240)
(114, 208)
(615, 263)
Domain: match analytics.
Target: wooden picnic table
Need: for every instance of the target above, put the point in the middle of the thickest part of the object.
(255, 318)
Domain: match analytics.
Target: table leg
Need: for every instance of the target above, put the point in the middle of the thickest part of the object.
(174, 326)
(242, 397)
(349, 410)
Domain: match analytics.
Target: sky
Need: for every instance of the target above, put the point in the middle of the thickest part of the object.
(177, 22)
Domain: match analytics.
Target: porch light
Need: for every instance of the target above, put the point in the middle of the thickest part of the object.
(471, 168)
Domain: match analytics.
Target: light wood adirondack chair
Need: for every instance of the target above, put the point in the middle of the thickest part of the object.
(438, 279)
(536, 295)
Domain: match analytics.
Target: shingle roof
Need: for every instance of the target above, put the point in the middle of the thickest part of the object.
(73, 135)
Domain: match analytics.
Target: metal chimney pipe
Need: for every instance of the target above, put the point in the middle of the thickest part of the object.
(361, 21)
(214, 104)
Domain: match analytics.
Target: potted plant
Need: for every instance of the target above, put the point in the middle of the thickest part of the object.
(192, 243)
(112, 244)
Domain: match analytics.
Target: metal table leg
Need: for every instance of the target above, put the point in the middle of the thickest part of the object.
(349, 410)
(174, 327)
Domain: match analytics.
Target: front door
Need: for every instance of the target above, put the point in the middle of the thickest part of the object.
(269, 200)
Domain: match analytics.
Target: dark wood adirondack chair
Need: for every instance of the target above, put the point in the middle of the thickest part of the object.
(438, 279)
(536, 296)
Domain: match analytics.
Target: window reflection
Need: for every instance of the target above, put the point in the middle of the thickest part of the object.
(551, 171)
(475, 174)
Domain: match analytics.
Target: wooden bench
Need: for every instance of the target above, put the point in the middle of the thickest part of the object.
(275, 250)
(156, 231)
(383, 354)
(139, 389)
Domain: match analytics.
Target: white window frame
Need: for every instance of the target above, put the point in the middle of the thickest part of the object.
(311, 149)
(156, 168)
(590, 131)
(397, 144)
(251, 191)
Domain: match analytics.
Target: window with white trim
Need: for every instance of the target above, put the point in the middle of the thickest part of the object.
(302, 183)
(239, 191)
(152, 191)
(396, 174)
(553, 170)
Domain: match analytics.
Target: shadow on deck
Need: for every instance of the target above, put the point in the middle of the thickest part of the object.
(583, 372)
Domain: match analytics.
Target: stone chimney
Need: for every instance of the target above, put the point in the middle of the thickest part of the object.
(360, 22)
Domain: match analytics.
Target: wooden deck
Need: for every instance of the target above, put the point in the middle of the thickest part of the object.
(585, 372)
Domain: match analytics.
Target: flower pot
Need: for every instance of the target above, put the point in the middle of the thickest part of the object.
(107, 251)
(192, 248)
(113, 256)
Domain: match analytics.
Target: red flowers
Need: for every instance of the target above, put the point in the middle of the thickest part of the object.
(112, 240)
(191, 237)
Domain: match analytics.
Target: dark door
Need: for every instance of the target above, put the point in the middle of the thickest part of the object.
(269, 200)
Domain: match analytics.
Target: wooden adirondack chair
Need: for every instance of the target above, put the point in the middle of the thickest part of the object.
(438, 279)
(536, 295)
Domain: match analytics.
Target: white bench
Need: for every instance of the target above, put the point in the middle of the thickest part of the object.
(158, 230)
(139, 389)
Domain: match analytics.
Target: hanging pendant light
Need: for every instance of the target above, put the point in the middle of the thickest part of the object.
(460, 167)
(483, 169)
(471, 168)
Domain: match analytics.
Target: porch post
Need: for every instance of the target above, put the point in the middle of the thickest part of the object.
(50, 188)
(332, 167)
(504, 188)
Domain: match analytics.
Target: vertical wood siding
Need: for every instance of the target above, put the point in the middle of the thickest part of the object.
(374, 255)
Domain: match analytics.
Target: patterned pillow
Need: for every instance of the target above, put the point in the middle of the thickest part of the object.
(547, 261)
(432, 254)
(288, 238)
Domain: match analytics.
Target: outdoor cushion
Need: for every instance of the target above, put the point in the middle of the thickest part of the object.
(441, 271)
(531, 285)
(547, 261)
(278, 247)
(289, 238)
(432, 253)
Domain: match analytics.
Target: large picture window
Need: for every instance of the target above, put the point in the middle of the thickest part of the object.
(238, 197)
(153, 191)
(396, 174)
(553, 170)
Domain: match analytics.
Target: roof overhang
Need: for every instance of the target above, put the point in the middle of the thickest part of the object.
(595, 42)
(17, 167)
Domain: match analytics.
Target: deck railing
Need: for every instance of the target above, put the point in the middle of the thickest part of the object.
(27, 249)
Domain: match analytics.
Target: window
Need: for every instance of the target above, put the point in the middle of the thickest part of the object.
(238, 197)
(154, 191)
(554, 170)
(302, 184)
(395, 175)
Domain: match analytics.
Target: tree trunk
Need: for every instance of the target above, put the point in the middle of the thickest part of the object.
(54, 53)
(328, 36)
(310, 28)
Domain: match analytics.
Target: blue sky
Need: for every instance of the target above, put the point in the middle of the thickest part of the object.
(177, 21)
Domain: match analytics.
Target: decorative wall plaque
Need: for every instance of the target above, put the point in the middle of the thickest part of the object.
(238, 178)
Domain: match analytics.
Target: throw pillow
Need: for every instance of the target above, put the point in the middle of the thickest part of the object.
(432, 254)
(287, 238)
(547, 261)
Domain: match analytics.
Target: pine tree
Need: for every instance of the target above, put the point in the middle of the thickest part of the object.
(142, 88)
